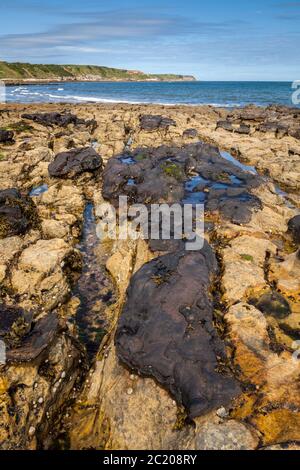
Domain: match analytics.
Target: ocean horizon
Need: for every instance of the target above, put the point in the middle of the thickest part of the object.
(229, 94)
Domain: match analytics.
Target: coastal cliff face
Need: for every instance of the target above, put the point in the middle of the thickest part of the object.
(15, 73)
(133, 345)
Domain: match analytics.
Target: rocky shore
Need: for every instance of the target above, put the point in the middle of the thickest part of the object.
(133, 345)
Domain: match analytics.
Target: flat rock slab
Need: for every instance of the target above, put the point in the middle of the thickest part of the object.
(57, 119)
(155, 122)
(17, 213)
(75, 162)
(166, 331)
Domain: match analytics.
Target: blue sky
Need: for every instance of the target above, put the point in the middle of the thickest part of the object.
(213, 40)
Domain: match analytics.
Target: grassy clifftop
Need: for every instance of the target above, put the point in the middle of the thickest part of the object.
(23, 71)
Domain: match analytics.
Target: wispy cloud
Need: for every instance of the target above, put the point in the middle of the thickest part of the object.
(261, 38)
(113, 27)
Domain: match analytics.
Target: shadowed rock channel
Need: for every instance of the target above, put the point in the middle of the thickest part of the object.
(94, 288)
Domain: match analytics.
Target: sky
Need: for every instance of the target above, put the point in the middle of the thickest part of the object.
(212, 40)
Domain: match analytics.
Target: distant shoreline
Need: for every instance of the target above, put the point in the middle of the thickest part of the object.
(19, 73)
(17, 82)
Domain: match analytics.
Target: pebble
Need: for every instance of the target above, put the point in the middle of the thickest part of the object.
(31, 431)
(63, 375)
(130, 391)
(222, 413)
(41, 400)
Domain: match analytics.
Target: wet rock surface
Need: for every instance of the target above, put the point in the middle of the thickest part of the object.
(195, 173)
(17, 213)
(166, 331)
(273, 304)
(73, 163)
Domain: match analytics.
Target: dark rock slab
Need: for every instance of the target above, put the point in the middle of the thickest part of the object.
(226, 125)
(276, 127)
(37, 341)
(157, 177)
(281, 120)
(73, 163)
(243, 129)
(294, 228)
(162, 175)
(58, 119)
(166, 331)
(249, 113)
(237, 208)
(150, 122)
(6, 137)
(295, 133)
(190, 133)
(17, 213)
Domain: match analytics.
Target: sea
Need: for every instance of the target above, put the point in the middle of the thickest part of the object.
(219, 94)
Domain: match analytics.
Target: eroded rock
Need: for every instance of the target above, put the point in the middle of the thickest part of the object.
(190, 133)
(172, 174)
(153, 123)
(45, 271)
(73, 163)
(226, 125)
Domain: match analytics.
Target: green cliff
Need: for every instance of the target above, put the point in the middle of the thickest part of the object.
(34, 72)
